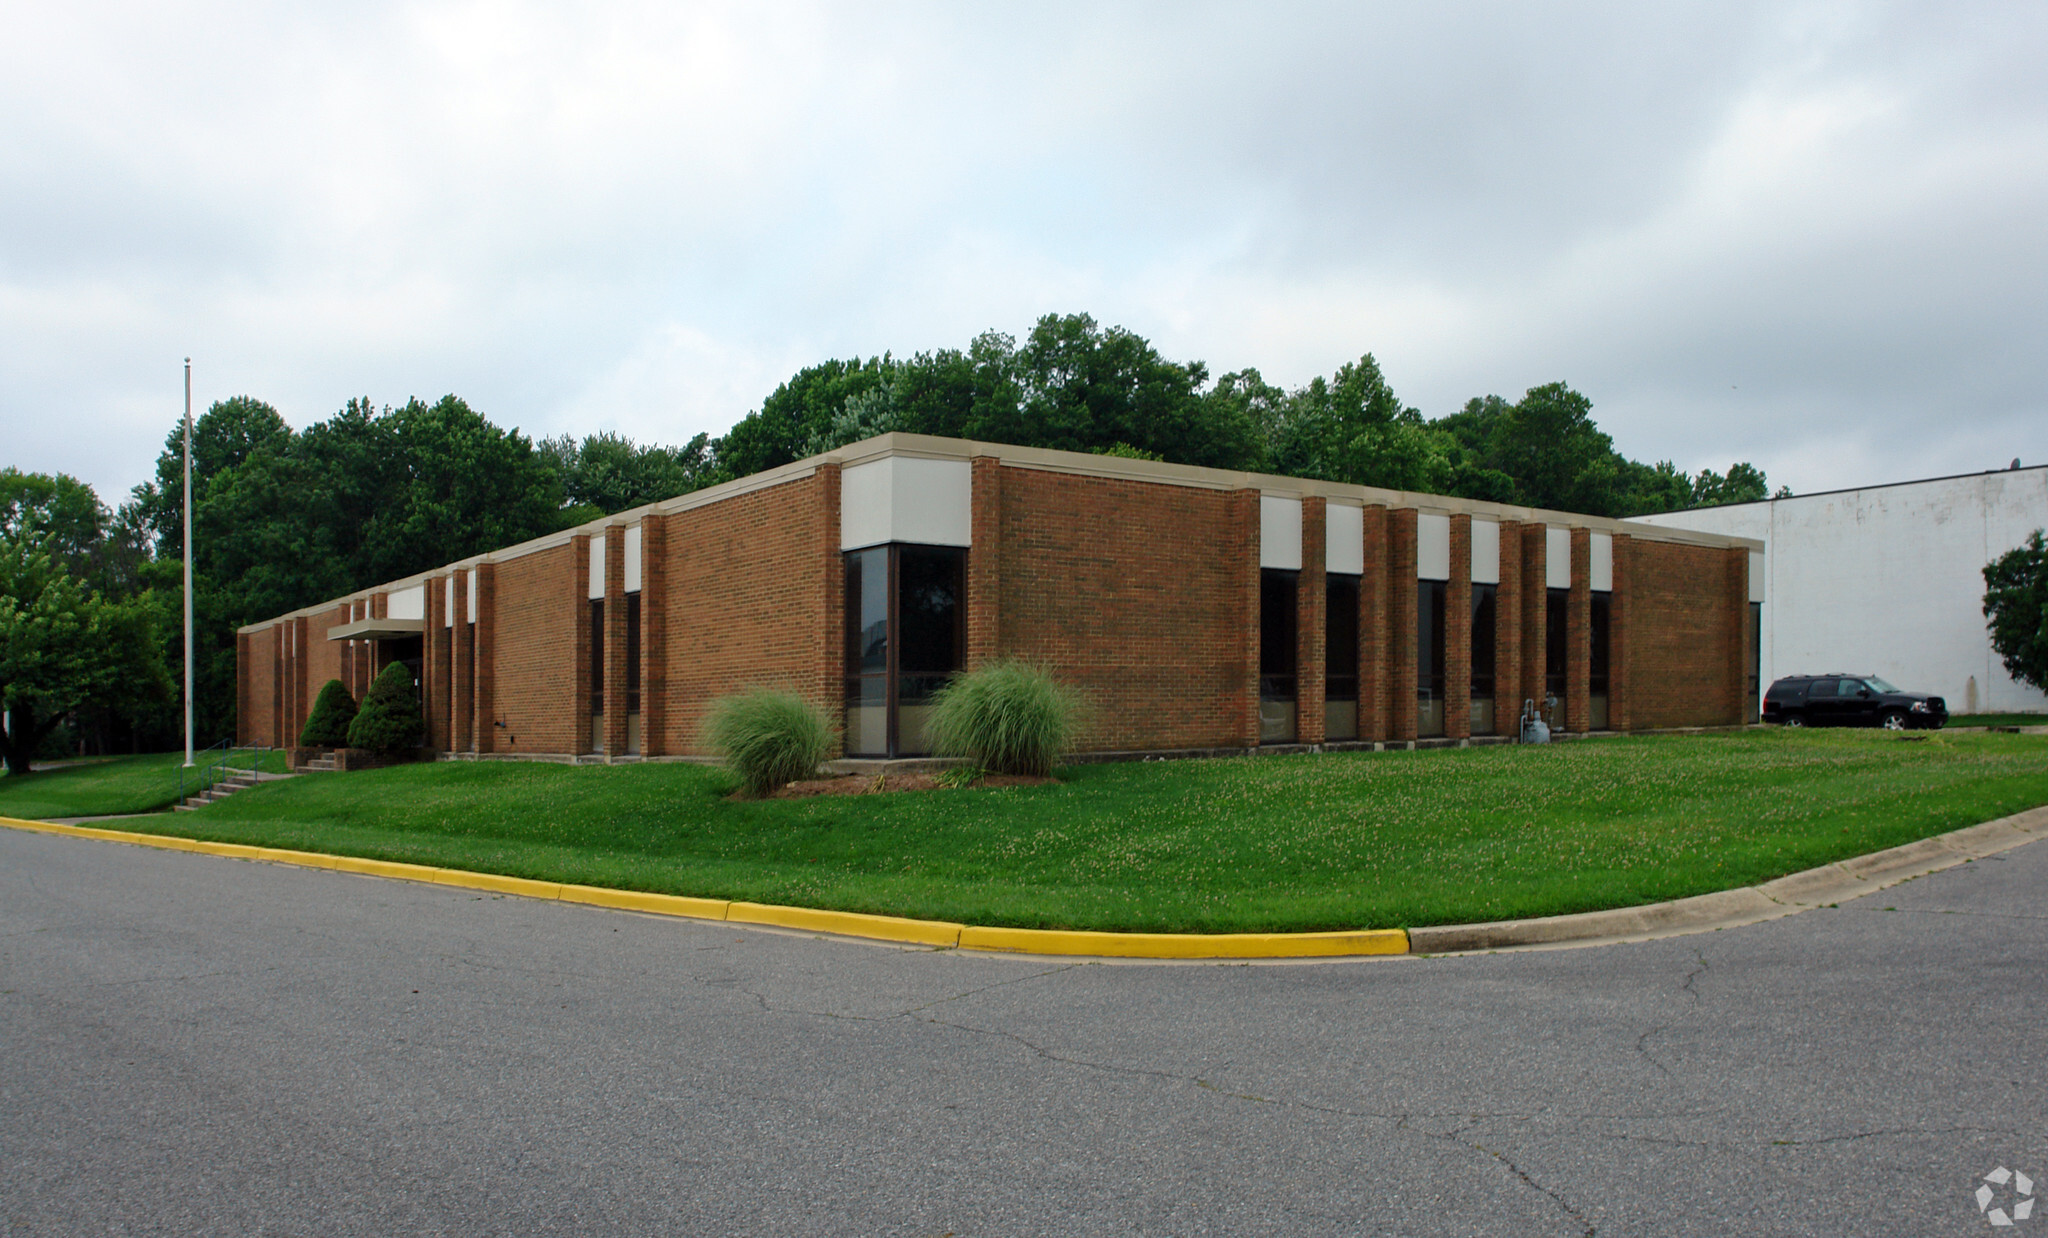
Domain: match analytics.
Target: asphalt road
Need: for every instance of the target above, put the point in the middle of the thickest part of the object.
(198, 1045)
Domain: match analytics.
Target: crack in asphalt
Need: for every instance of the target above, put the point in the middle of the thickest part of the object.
(1700, 968)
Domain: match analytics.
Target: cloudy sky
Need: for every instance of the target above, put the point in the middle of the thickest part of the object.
(1814, 236)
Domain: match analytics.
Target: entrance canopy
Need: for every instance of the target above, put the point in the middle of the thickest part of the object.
(377, 629)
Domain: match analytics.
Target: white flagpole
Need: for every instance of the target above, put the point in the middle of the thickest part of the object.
(188, 563)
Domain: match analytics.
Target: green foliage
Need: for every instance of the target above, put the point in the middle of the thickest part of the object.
(1744, 483)
(66, 649)
(389, 720)
(327, 725)
(1008, 717)
(609, 473)
(770, 739)
(2016, 606)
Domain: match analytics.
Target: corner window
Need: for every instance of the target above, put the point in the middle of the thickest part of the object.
(905, 637)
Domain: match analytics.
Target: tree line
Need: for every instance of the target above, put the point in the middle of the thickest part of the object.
(90, 597)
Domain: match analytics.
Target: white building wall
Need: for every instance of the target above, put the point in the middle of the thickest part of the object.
(1889, 580)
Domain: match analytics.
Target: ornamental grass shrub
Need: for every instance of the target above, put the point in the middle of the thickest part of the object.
(327, 725)
(389, 720)
(770, 739)
(1007, 717)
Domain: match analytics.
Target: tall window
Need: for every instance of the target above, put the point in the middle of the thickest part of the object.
(905, 636)
(1555, 609)
(1429, 657)
(633, 652)
(1279, 630)
(1340, 657)
(1756, 658)
(596, 657)
(1484, 620)
(1597, 659)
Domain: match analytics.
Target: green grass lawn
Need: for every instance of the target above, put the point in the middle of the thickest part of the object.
(95, 787)
(1998, 720)
(1272, 843)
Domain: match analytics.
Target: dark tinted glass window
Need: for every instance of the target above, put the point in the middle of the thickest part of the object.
(905, 636)
(1554, 618)
(597, 655)
(1484, 624)
(1820, 687)
(1278, 632)
(1429, 656)
(1597, 652)
(867, 611)
(633, 652)
(929, 584)
(1340, 646)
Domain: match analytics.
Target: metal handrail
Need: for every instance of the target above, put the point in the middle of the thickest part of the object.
(205, 776)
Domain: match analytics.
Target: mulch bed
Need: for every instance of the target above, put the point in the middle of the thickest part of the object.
(880, 784)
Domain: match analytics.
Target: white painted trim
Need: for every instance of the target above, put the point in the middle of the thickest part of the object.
(633, 553)
(1756, 576)
(1557, 558)
(596, 589)
(1279, 533)
(906, 499)
(1344, 539)
(1600, 568)
(407, 603)
(1432, 546)
(1485, 551)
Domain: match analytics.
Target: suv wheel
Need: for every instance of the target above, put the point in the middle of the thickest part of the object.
(1892, 720)
(1794, 720)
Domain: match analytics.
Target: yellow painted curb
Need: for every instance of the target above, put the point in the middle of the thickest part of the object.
(842, 923)
(1186, 945)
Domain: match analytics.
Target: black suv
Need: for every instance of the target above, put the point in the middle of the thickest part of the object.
(1850, 700)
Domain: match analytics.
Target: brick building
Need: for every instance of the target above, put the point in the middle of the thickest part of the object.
(1196, 608)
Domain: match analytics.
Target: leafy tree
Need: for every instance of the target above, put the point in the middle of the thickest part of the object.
(795, 412)
(1744, 483)
(2016, 607)
(64, 648)
(609, 473)
(389, 719)
(327, 725)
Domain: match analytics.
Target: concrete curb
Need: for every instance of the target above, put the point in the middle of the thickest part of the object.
(1789, 895)
(1816, 887)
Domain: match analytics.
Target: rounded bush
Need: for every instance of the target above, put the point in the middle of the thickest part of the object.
(770, 739)
(327, 725)
(389, 720)
(1007, 717)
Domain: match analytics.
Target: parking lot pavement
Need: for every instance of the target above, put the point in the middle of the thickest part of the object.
(198, 1045)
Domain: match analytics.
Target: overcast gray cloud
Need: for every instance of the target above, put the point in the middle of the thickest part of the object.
(1805, 235)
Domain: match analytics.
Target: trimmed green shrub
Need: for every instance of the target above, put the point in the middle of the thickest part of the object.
(770, 739)
(1008, 717)
(327, 725)
(389, 721)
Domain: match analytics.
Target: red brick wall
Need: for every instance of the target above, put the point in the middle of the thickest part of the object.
(1400, 649)
(1685, 635)
(1144, 597)
(534, 668)
(257, 683)
(747, 585)
(1310, 661)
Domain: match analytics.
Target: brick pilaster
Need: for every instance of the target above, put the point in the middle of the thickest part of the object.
(1617, 635)
(984, 564)
(1401, 712)
(615, 686)
(486, 669)
(579, 701)
(1578, 646)
(1312, 623)
(1507, 631)
(462, 675)
(1535, 596)
(1373, 637)
(1458, 633)
(434, 662)
(1241, 543)
(831, 657)
(302, 704)
(280, 687)
(1737, 610)
(654, 529)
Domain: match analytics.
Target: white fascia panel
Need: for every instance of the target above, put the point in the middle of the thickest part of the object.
(632, 558)
(1485, 552)
(905, 499)
(1432, 546)
(448, 602)
(407, 603)
(1756, 575)
(1344, 540)
(1279, 532)
(1601, 568)
(596, 565)
(1557, 558)
(469, 589)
